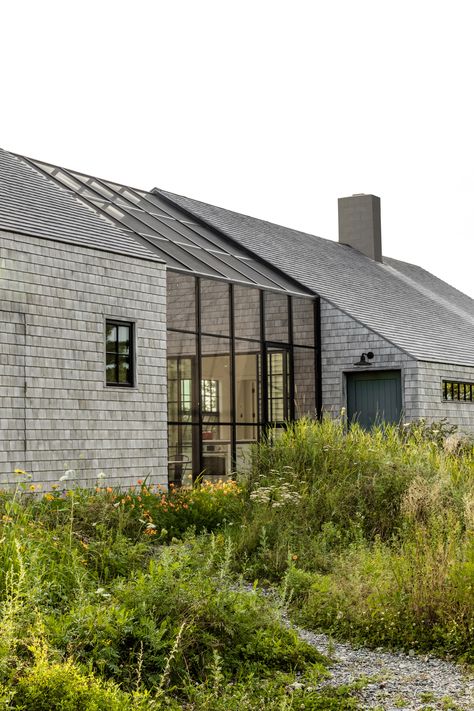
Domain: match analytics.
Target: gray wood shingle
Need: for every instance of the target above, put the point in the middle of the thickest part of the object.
(405, 304)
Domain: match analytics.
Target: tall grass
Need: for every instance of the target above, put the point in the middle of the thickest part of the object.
(373, 531)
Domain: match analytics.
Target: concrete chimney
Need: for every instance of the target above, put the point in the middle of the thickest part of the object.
(359, 224)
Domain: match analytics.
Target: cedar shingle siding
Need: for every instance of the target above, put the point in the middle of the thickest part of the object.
(70, 259)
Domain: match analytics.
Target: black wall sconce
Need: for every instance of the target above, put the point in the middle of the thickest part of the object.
(365, 358)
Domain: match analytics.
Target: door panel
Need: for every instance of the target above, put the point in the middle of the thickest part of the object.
(374, 397)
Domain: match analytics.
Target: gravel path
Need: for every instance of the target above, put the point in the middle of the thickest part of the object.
(396, 680)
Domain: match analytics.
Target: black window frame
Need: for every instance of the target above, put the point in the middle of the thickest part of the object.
(200, 418)
(459, 391)
(131, 353)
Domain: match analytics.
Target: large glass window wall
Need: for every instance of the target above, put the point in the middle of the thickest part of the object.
(240, 360)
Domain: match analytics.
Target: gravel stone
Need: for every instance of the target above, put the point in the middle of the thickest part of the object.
(395, 680)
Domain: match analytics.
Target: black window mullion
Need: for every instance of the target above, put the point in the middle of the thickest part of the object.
(117, 360)
(263, 369)
(199, 446)
(457, 390)
(290, 363)
(233, 409)
(318, 359)
(113, 350)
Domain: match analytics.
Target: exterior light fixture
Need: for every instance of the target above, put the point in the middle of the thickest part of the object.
(365, 358)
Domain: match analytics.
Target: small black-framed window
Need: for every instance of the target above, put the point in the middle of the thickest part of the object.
(458, 391)
(119, 356)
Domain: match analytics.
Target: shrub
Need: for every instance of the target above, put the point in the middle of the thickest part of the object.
(49, 686)
(177, 598)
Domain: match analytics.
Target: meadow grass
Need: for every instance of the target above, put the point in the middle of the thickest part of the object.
(371, 533)
(109, 601)
(133, 599)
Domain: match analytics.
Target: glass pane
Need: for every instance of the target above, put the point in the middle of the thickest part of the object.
(172, 369)
(185, 396)
(247, 382)
(124, 339)
(110, 368)
(101, 189)
(173, 399)
(182, 379)
(181, 301)
(276, 317)
(278, 385)
(67, 180)
(180, 453)
(130, 196)
(181, 344)
(245, 439)
(216, 452)
(215, 307)
(210, 396)
(215, 366)
(124, 370)
(118, 214)
(246, 312)
(305, 383)
(303, 321)
(111, 337)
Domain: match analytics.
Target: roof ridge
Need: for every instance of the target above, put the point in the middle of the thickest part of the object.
(169, 194)
(459, 311)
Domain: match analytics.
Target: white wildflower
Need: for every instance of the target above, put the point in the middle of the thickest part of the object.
(67, 475)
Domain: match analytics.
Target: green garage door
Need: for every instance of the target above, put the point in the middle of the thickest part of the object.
(374, 397)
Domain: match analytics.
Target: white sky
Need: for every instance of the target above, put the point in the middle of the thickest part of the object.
(274, 109)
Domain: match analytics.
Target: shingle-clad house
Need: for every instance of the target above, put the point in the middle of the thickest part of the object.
(148, 334)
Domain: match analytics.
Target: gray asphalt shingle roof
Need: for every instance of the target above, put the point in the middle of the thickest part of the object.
(405, 304)
(168, 233)
(32, 204)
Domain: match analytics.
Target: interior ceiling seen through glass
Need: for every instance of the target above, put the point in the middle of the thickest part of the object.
(182, 242)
